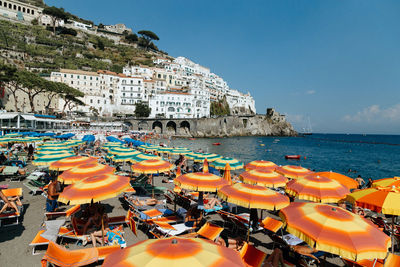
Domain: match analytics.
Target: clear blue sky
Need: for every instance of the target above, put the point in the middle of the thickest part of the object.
(336, 62)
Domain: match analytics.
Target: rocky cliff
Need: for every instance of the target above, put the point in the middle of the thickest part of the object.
(261, 125)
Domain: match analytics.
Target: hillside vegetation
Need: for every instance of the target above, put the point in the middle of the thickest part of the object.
(37, 49)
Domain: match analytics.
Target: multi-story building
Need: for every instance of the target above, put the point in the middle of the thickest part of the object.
(172, 105)
(130, 91)
(19, 11)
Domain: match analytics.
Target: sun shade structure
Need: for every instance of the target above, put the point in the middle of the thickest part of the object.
(122, 157)
(200, 181)
(335, 230)
(71, 162)
(152, 166)
(263, 177)
(45, 160)
(343, 179)
(175, 251)
(253, 197)
(200, 157)
(318, 189)
(94, 189)
(387, 182)
(141, 157)
(179, 151)
(380, 199)
(260, 164)
(163, 149)
(221, 162)
(83, 171)
(293, 172)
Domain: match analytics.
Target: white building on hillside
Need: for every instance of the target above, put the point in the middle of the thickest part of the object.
(19, 11)
(130, 91)
(119, 28)
(172, 105)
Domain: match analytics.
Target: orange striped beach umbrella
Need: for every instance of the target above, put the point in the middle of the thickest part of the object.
(343, 179)
(152, 166)
(260, 164)
(253, 197)
(200, 181)
(84, 171)
(227, 174)
(387, 182)
(263, 177)
(292, 171)
(205, 165)
(94, 189)
(174, 251)
(317, 188)
(71, 162)
(380, 199)
(335, 230)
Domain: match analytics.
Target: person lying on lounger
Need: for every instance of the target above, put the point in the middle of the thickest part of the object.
(233, 243)
(97, 220)
(9, 203)
(146, 202)
(274, 259)
(210, 202)
(111, 236)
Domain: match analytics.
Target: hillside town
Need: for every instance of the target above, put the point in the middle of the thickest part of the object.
(173, 89)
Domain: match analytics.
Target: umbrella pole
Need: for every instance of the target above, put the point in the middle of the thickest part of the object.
(152, 185)
(102, 230)
(392, 233)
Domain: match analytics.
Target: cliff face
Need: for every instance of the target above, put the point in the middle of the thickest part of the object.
(242, 126)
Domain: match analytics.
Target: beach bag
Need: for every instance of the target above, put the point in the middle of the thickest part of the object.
(114, 237)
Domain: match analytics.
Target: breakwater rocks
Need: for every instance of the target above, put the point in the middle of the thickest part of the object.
(256, 125)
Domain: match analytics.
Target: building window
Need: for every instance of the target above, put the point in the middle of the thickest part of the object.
(65, 75)
(98, 101)
(33, 12)
(91, 101)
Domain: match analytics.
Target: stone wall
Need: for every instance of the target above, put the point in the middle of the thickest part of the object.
(258, 125)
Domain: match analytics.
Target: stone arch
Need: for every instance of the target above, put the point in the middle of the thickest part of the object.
(143, 125)
(184, 128)
(171, 127)
(157, 127)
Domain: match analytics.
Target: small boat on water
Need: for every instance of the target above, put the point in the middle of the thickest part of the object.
(216, 144)
(292, 156)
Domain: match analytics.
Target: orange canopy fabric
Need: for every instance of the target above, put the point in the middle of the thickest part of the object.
(350, 183)
(205, 165)
(71, 162)
(263, 177)
(392, 260)
(227, 174)
(84, 171)
(318, 189)
(335, 230)
(293, 172)
(60, 256)
(200, 181)
(260, 165)
(253, 196)
(380, 199)
(271, 224)
(395, 181)
(175, 251)
(152, 166)
(94, 189)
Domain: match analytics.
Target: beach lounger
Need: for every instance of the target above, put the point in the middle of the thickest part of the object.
(208, 230)
(11, 172)
(177, 229)
(117, 220)
(32, 188)
(365, 263)
(60, 256)
(271, 224)
(67, 213)
(7, 216)
(12, 192)
(37, 241)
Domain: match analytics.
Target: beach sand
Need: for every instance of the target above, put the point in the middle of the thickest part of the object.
(14, 240)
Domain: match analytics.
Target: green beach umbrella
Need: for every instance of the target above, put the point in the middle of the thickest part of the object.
(126, 157)
(140, 157)
(46, 160)
(221, 162)
(209, 156)
(162, 149)
(179, 151)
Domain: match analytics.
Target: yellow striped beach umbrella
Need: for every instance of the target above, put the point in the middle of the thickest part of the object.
(263, 177)
(317, 189)
(94, 189)
(200, 181)
(46, 160)
(293, 172)
(83, 171)
(53, 148)
(220, 163)
(253, 197)
(140, 157)
(343, 179)
(119, 149)
(71, 162)
(164, 149)
(179, 151)
(202, 156)
(175, 251)
(152, 166)
(260, 164)
(387, 182)
(335, 230)
(108, 145)
(52, 152)
(124, 157)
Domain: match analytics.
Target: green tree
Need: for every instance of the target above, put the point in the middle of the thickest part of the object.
(70, 96)
(148, 37)
(56, 14)
(32, 86)
(131, 38)
(9, 83)
(142, 110)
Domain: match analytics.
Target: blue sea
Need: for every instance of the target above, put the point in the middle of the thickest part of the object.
(371, 156)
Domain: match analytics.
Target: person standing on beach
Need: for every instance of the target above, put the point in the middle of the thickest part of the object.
(52, 195)
(360, 181)
(31, 149)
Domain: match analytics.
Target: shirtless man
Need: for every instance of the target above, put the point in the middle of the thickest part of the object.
(52, 195)
(360, 181)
